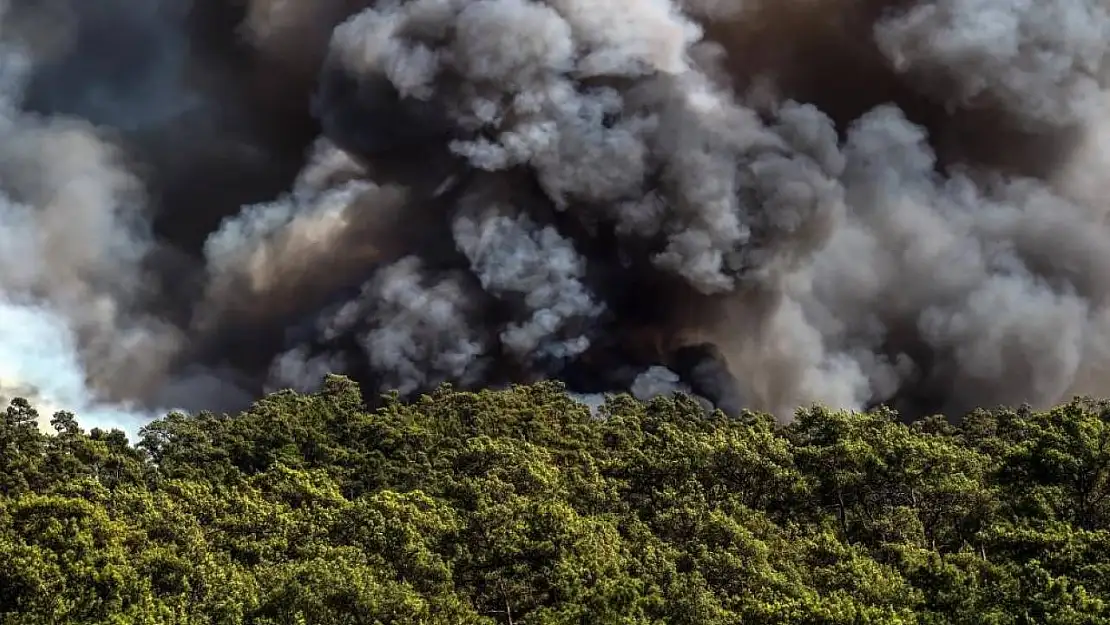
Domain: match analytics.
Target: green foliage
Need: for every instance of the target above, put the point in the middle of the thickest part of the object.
(521, 507)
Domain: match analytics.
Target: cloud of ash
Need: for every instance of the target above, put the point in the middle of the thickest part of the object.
(766, 204)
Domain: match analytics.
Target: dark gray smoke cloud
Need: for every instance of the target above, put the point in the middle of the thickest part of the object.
(764, 203)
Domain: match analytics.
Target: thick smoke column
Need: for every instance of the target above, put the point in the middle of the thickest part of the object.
(764, 203)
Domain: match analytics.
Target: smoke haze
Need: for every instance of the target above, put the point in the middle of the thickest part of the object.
(766, 204)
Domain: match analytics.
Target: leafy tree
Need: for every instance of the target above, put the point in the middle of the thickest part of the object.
(520, 506)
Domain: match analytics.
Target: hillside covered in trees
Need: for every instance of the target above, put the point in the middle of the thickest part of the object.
(522, 507)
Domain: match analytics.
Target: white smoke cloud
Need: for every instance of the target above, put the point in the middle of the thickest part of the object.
(70, 250)
(1044, 60)
(39, 361)
(516, 257)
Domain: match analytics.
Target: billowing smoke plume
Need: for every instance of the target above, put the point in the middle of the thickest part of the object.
(763, 203)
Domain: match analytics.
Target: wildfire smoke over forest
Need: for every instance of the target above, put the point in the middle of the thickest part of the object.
(770, 203)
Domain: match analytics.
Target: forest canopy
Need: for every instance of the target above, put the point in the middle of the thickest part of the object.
(522, 506)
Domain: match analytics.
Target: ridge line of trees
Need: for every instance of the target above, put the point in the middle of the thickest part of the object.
(521, 507)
